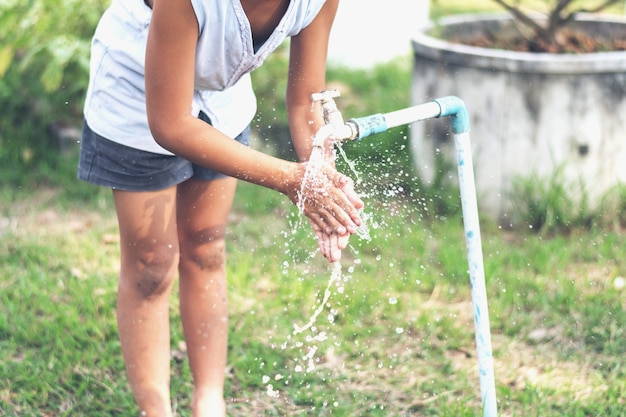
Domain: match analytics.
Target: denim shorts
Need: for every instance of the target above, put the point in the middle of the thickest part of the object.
(110, 164)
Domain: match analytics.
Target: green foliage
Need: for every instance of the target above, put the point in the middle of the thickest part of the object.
(44, 70)
(551, 205)
(440, 8)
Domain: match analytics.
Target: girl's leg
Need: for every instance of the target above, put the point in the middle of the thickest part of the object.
(203, 208)
(149, 258)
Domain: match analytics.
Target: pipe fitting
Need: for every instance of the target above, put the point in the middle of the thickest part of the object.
(455, 108)
(332, 115)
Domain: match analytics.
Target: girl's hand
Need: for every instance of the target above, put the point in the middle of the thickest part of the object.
(331, 244)
(327, 199)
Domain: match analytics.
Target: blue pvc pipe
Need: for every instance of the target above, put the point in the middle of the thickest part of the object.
(454, 108)
(370, 125)
(477, 272)
(451, 106)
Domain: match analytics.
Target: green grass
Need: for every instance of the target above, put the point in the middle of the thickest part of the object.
(399, 330)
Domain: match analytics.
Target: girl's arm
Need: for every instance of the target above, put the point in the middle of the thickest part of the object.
(307, 75)
(169, 72)
(170, 59)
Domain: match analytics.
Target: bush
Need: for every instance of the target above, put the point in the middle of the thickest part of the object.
(44, 69)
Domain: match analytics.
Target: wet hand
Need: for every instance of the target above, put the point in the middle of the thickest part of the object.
(331, 245)
(329, 201)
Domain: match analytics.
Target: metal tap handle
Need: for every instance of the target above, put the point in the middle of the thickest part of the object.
(325, 96)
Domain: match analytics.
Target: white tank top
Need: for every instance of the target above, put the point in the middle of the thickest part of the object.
(115, 102)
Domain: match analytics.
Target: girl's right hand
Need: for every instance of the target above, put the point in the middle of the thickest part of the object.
(330, 245)
(328, 200)
(332, 206)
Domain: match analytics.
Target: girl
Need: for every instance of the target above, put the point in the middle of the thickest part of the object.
(169, 89)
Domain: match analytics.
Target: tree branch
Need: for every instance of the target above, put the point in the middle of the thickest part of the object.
(521, 16)
(599, 8)
(557, 16)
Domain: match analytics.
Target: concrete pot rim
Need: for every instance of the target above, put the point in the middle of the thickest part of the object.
(436, 49)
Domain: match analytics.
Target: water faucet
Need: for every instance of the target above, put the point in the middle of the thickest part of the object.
(333, 117)
(361, 127)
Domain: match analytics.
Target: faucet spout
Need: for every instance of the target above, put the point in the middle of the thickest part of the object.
(333, 117)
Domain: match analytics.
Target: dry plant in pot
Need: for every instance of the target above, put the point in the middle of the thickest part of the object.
(555, 34)
(546, 93)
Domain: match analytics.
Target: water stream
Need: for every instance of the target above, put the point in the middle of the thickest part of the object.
(336, 280)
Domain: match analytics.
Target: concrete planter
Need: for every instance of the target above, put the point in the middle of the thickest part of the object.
(531, 114)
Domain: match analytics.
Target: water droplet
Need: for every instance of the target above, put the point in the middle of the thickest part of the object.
(271, 391)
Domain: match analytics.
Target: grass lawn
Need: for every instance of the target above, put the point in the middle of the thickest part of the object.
(394, 339)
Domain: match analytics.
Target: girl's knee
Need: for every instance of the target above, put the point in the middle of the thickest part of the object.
(151, 268)
(204, 252)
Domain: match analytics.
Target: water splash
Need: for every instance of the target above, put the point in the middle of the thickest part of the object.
(316, 161)
(356, 176)
(335, 277)
(314, 166)
(306, 361)
(363, 231)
